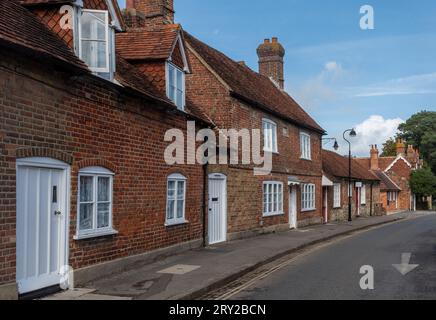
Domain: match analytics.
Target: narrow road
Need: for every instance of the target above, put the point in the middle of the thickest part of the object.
(332, 272)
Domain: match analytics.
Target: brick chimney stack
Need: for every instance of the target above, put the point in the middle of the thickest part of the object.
(374, 158)
(401, 147)
(271, 63)
(154, 11)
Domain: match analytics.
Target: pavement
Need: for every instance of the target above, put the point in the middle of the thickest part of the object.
(402, 257)
(191, 274)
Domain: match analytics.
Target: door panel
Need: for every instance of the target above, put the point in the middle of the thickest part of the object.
(217, 210)
(40, 236)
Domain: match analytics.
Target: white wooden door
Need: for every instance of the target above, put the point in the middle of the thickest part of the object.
(217, 222)
(41, 221)
(293, 207)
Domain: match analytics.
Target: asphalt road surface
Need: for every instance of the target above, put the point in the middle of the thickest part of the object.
(333, 271)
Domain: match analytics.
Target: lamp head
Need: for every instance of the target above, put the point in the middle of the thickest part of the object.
(353, 133)
(336, 145)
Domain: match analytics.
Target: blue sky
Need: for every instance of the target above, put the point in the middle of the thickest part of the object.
(343, 76)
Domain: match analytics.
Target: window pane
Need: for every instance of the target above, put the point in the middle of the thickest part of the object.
(170, 210)
(103, 189)
(94, 54)
(171, 189)
(180, 190)
(103, 215)
(86, 189)
(85, 218)
(93, 26)
(179, 79)
(180, 206)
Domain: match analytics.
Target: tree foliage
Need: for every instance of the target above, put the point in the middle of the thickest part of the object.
(423, 182)
(389, 148)
(420, 131)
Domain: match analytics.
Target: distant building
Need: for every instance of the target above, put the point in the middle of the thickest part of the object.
(394, 173)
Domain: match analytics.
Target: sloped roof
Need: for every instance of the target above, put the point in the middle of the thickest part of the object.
(20, 28)
(383, 162)
(334, 164)
(252, 86)
(386, 183)
(147, 44)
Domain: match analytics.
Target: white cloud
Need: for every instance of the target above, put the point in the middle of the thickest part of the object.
(320, 88)
(374, 130)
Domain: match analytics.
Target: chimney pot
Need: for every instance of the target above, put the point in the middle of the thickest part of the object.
(271, 62)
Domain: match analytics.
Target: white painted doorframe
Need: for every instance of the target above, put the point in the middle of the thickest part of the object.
(293, 207)
(45, 165)
(326, 207)
(217, 221)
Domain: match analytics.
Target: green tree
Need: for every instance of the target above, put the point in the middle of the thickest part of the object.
(423, 182)
(389, 148)
(420, 131)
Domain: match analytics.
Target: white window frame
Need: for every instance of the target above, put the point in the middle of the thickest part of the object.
(176, 178)
(269, 129)
(106, 69)
(363, 194)
(308, 197)
(167, 75)
(276, 197)
(337, 195)
(305, 146)
(392, 196)
(95, 173)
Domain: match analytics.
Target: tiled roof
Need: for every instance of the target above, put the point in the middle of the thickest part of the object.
(383, 162)
(251, 86)
(147, 44)
(386, 183)
(334, 164)
(129, 76)
(20, 28)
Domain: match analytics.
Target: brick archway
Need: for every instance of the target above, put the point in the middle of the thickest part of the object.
(44, 152)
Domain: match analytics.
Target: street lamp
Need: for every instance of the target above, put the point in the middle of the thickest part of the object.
(336, 144)
(352, 134)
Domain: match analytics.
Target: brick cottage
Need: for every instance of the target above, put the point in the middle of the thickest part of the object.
(83, 177)
(394, 172)
(236, 97)
(364, 190)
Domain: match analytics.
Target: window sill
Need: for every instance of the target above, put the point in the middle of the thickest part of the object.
(308, 210)
(97, 234)
(301, 158)
(174, 224)
(267, 215)
(270, 151)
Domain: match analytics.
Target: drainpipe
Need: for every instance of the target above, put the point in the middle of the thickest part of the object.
(205, 205)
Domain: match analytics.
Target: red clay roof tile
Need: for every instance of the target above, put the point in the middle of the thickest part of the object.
(19, 27)
(336, 165)
(147, 44)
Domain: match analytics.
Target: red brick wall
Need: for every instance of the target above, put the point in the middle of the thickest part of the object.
(92, 125)
(400, 174)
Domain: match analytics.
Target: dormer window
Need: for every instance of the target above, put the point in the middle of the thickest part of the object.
(96, 42)
(176, 85)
